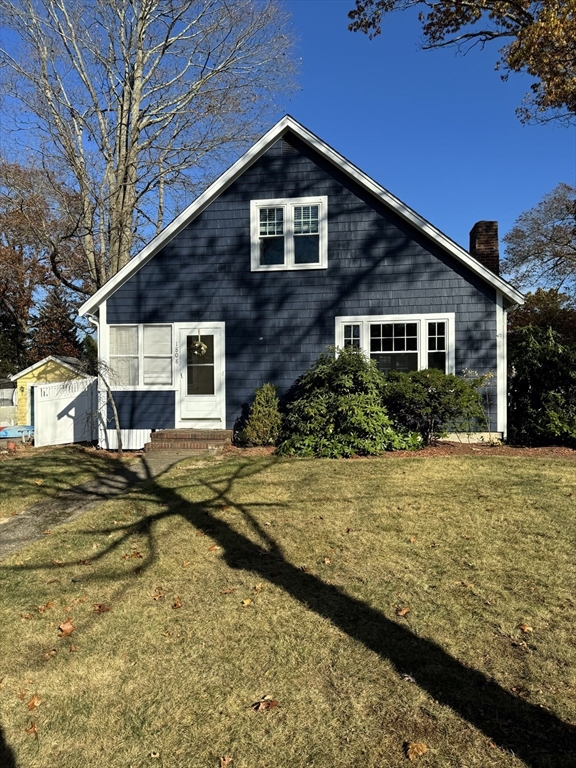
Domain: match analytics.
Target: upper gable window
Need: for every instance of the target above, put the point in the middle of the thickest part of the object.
(289, 233)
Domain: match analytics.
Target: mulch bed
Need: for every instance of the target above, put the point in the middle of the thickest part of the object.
(448, 449)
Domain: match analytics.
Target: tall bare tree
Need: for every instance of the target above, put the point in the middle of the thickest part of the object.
(133, 102)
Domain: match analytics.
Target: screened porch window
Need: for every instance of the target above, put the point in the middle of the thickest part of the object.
(141, 355)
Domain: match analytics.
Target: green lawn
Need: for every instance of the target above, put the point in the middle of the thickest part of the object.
(232, 580)
(35, 474)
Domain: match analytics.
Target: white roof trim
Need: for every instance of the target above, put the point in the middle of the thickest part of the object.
(49, 359)
(255, 152)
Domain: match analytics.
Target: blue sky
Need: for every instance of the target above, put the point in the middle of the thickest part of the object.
(435, 128)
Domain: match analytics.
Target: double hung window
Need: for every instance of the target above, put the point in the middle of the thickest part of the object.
(141, 355)
(289, 234)
(401, 343)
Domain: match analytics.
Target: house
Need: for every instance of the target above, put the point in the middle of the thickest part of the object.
(291, 250)
(49, 370)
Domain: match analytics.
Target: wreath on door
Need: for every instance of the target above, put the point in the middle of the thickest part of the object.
(197, 347)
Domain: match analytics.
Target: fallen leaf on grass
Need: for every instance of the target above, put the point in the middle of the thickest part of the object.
(525, 628)
(258, 588)
(412, 539)
(80, 599)
(158, 594)
(57, 563)
(95, 545)
(34, 702)
(53, 581)
(154, 755)
(50, 653)
(39, 482)
(213, 548)
(264, 704)
(45, 607)
(83, 562)
(27, 616)
(402, 611)
(66, 628)
(47, 532)
(349, 530)
(415, 749)
(225, 762)
(100, 608)
(185, 563)
(21, 694)
(32, 729)
(327, 561)
(130, 555)
(177, 602)
(247, 601)
(72, 648)
(228, 591)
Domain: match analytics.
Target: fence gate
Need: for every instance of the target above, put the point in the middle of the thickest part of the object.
(65, 412)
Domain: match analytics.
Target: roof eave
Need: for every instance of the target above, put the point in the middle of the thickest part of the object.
(248, 158)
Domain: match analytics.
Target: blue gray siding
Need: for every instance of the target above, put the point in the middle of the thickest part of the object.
(278, 322)
(143, 410)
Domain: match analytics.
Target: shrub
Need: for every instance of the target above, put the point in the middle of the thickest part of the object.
(431, 402)
(542, 388)
(262, 423)
(335, 409)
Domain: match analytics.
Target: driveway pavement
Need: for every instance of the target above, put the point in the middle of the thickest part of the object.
(29, 526)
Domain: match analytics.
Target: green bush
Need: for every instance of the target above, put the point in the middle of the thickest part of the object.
(431, 402)
(335, 409)
(262, 423)
(542, 388)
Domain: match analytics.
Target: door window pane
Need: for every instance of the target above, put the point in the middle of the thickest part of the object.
(200, 368)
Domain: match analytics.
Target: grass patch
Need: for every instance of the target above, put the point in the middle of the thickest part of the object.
(291, 575)
(34, 474)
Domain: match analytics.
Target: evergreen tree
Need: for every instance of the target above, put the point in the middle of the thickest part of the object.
(54, 331)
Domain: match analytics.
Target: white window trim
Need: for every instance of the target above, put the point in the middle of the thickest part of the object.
(114, 385)
(366, 320)
(288, 203)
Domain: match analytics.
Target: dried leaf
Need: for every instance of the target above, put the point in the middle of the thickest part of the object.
(46, 607)
(50, 653)
(154, 755)
(247, 601)
(402, 611)
(258, 588)
(39, 482)
(185, 563)
(72, 648)
(34, 702)
(66, 628)
(95, 545)
(47, 532)
(177, 602)
(80, 599)
(415, 749)
(32, 729)
(525, 628)
(100, 608)
(327, 561)
(57, 563)
(225, 762)
(412, 539)
(264, 705)
(27, 615)
(83, 562)
(213, 548)
(53, 581)
(228, 591)
(158, 594)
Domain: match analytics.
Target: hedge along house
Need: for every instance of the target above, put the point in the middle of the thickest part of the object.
(293, 249)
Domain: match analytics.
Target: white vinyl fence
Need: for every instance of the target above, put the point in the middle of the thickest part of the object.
(65, 412)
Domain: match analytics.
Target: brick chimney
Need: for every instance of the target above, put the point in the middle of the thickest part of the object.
(484, 244)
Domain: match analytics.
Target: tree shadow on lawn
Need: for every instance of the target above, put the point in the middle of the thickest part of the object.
(7, 759)
(533, 734)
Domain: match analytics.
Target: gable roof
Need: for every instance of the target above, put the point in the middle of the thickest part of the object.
(284, 125)
(66, 362)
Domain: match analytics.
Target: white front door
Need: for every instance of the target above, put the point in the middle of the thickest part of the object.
(201, 372)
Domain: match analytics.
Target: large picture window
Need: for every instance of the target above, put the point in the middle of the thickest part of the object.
(141, 355)
(289, 233)
(401, 343)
